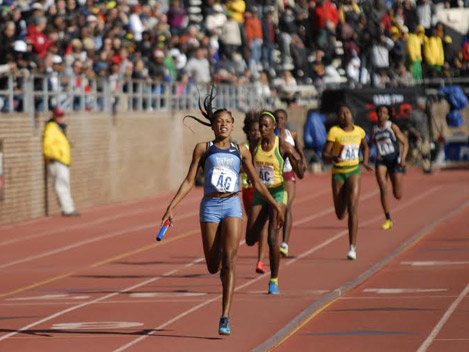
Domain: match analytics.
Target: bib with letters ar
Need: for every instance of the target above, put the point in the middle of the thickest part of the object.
(349, 152)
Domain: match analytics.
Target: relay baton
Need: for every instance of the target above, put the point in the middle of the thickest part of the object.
(163, 230)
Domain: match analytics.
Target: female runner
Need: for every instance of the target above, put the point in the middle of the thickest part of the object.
(289, 178)
(251, 129)
(342, 148)
(268, 156)
(390, 160)
(220, 208)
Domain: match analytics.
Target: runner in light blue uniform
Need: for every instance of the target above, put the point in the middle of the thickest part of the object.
(221, 173)
(220, 208)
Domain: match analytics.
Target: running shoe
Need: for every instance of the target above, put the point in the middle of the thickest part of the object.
(284, 250)
(260, 269)
(387, 225)
(273, 288)
(224, 326)
(352, 254)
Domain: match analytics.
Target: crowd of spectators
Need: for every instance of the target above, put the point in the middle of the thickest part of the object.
(274, 44)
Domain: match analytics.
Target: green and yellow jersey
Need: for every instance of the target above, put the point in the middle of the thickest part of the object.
(346, 147)
(269, 164)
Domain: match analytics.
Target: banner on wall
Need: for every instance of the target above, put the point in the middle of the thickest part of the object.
(363, 103)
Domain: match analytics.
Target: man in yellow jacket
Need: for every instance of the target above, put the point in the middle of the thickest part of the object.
(56, 149)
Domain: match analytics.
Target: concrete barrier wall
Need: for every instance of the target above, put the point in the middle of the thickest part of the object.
(114, 159)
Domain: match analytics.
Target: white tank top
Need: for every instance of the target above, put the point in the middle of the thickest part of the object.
(289, 139)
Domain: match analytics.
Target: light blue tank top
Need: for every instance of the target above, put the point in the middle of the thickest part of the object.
(221, 169)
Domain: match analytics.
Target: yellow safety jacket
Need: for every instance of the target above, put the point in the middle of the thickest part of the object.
(55, 144)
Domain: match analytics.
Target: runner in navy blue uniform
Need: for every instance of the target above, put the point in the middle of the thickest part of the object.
(220, 208)
(390, 159)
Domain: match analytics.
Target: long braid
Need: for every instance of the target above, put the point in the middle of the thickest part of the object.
(207, 109)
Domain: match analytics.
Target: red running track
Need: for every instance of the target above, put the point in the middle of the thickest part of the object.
(101, 282)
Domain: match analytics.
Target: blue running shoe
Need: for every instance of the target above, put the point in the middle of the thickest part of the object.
(224, 327)
(273, 288)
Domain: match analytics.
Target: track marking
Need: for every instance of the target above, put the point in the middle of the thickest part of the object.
(87, 224)
(47, 297)
(388, 291)
(159, 277)
(443, 321)
(111, 259)
(92, 325)
(102, 298)
(323, 244)
(331, 209)
(434, 263)
(166, 294)
(120, 256)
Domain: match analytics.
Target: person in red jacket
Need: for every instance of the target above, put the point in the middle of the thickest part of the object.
(40, 42)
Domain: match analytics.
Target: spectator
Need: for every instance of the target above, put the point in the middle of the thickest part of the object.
(253, 29)
(199, 67)
(268, 44)
(434, 54)
(230, 36)
(237, 9)
(414, 52)
(56, 150)
(177, 17)
(38, 39)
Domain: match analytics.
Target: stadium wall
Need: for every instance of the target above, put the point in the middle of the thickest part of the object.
(114, 158)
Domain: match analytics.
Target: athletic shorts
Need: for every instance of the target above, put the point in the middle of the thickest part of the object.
(392, 166)
(342, 177)
(213, 209)
(278, 193)
(248, 194)
(289, 176)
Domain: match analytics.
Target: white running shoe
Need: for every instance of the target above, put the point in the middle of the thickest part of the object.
(352, 254)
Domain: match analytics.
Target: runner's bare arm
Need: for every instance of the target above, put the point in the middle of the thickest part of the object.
(366, 154)
(295, 160)
(299, 148)
(403, 140)
(258, 185)
(327, 154)
(188, 183)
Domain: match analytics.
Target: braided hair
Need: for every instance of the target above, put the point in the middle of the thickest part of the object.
(207, 110)
(251, 117)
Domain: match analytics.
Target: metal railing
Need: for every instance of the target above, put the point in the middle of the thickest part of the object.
(39, 93)
(34, 93)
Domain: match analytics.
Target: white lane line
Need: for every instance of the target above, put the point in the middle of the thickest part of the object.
(331, 210)
(96, 325)
(47, 297)
(323, 244)
(90, 240)
(84, 304)
(434, 263)
(370, 221)
(443, 321)
(392, 291)
(55, 315)
(166, 294)
(92, 223)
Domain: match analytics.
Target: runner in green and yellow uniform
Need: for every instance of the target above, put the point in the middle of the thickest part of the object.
(269, 154)
(344, 142)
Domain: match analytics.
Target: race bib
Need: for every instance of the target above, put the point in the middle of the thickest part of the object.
(266, 174)
(224, 179)
(385, 146)
(349, 152)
